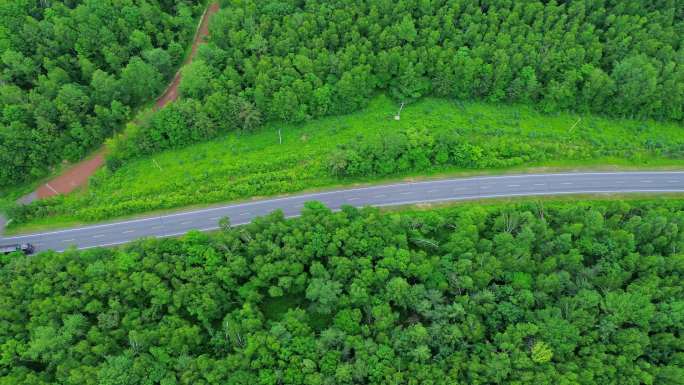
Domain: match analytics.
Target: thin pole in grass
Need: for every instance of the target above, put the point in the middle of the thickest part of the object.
(398, 115)
(574, 125)
(280, 137)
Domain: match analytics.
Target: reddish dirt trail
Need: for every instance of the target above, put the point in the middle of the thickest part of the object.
(78, 174)
(171, 92)
(75, 176)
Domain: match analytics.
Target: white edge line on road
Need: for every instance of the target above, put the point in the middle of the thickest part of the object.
(102, 245)
(185, 232)
(475, 197)
(313, 195)
(158, 236)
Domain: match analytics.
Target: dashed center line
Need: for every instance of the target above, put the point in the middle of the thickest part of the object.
(98, 236)
(214, 218)
(646, 181)
(352, 199)
(380, 196)
(243, 214)
(540, 184)
(128, 231)
(405, 193)
(513, 185)
(566, 183)
(673, 181)
(156, 227)
(68, 240)
(186, 223)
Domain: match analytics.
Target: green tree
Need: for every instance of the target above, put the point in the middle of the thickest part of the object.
(541, 352)
(636, 86)
(196, 80)
(139, 81)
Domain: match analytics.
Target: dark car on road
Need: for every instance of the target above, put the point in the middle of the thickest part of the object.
(25, 248)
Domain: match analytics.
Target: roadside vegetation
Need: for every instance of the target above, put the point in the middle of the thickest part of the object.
(527, 293)
(297, 61)
(295, 69)
(362, 147)
(72, 72)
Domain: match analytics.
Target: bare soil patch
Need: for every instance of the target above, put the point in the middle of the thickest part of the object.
(72, 178)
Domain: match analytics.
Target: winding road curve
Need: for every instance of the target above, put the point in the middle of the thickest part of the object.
(116, 233)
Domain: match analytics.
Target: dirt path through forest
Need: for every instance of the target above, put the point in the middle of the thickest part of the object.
(77, 175)
(171, 92)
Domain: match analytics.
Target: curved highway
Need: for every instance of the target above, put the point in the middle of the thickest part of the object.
(116, 233)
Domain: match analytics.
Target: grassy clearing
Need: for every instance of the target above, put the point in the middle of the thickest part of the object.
(238, 166)
(274, 308)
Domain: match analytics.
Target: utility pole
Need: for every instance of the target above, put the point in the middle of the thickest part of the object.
(398, 115)
(280, 137)
(575, 125)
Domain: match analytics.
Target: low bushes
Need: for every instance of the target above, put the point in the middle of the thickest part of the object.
(179, 124)
(38, 209)
(419, 150)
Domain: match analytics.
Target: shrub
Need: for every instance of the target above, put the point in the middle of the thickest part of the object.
(419, 150)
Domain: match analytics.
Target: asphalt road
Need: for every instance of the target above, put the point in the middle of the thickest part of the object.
(116, 233)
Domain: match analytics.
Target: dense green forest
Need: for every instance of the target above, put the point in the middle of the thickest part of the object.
(524, 293)
(72, 71)
(294, 60)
